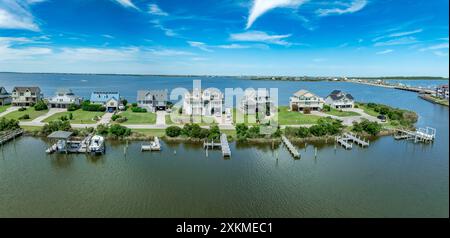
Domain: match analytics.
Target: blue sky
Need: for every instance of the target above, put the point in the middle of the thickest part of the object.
(226, 37)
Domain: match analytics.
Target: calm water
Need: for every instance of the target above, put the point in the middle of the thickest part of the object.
(389, 179)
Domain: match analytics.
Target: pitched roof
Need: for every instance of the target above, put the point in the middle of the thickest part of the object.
(104, 96)
(304, 93)
(159, 95)
(23, 89)
(338, 95)
(3, 91)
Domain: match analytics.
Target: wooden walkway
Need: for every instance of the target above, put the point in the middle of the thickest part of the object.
(426, 135)
(9, 135)
(357, 140)
(344, 142)
(290, 147)
(153, 146)
(223, 144)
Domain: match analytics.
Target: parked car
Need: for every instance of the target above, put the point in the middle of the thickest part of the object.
(382, 118)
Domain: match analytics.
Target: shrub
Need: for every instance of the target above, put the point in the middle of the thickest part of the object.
(124, 102)
(138, 110)
(134, 104)
(40, 106)
(318, 130)
(173, 131)
(8, 124)
(372, 128)
(119, 131)
(24, 117)
(253, 132)
(63, 118)
(87, 106)
(102, 129)
(22, 109)
(214, 133)
(70, 116)
(241, 129)
(115, 117)
(121, 119)
(302, 132)
(326, 108)
(56, 126)
(73, 107)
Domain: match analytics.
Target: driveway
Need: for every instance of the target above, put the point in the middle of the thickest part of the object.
(348, 121)
(50, 113)
(160, 118)
(9, 110)
(106, 119)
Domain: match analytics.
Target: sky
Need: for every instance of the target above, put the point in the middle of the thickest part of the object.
(226, 37)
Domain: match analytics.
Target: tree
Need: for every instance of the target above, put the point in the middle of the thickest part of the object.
(8, 124)
(241, 129)
(173, 131)
(303, 132)
(40, 106)
(214, 132)
(119, 131)
(102, 129)
(70, 116)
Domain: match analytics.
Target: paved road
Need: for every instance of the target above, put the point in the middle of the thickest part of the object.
(348, 121)
(9, 110)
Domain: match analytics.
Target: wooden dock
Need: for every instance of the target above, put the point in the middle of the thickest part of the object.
(355, 139)
(9, 135)
(344, 142)
(223, 145)
(290, 147)
(425, 135)
(153, 146)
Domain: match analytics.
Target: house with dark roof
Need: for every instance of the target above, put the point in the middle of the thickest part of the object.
(338, 99)
(25, 96)
(5, 97)
(110, 100)
(152, 100)
(63, 98)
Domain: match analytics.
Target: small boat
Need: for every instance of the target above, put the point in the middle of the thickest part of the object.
(97, 145)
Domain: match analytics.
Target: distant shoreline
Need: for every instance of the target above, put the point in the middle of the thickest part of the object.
(252, 77)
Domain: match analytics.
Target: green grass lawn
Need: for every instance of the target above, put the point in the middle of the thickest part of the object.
(339, 113)
(79, 117)
(185, 119)
(31, 128)
(3, 108)
(138, 118)
(248, 119)
(30, 111)
(368, 110)
(150, 132)
(286, 117)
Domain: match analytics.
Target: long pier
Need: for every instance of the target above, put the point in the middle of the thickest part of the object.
(290, 147)
(9, 135)
(426, 135)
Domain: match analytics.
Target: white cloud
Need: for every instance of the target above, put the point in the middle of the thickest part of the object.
(169, 32)
(155, 10)
(259, 36)
(233, 46)
(435, 47)
(15, 14)
(260, 7)
(108, 36)
(398, 34)
(384, 52)
(440, 53)
(127, 3)
(399, 41)
(170, 52)
(352, 7)
(199, 45)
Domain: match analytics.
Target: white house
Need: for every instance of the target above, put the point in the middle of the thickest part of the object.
(25, 96)
(63, 98)
(304, 99)
(207, 102)
(338, 99)
(5, 97)
(254, 101)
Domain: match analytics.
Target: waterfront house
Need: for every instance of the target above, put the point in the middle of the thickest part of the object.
(25, 96)
(152, 100)
(63, 98)
(338, 99)
(254, 101)
(442, 92)
(5, 97)
(110, 100)
(207, 102)
(303, 99)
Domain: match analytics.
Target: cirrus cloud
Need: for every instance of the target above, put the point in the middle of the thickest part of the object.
(260, 7)
(260, 36)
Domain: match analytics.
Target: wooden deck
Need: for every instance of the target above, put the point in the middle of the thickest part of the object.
(344, 142)
(425, 135)
(9, 135)
(223, 145)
